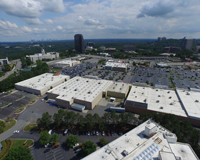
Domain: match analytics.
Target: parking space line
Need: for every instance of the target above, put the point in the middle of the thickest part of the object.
(60, 156)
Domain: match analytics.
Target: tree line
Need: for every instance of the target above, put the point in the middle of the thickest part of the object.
(9, 83)
(75, 121)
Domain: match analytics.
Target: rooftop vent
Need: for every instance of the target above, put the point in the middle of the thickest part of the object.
(156, 90)
(168, 92)
(161, 107)
(197, 101)
(170, 97)
(120, 88)
(188, 93)
(122, 84)
(135, 96)
(113, 87)
(157, 101)
(171, 103)
(158, 95)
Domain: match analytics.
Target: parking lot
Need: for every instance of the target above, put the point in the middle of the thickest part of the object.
(62, 152)
(14, 102)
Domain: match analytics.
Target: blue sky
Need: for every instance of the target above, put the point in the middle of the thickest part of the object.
(23, 20)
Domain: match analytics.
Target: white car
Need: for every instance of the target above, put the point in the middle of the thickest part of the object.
(76, 145)
(47, 145)
(50, 131)
(16, 131)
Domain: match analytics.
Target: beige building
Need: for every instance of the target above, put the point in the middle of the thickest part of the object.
(84, 91)
(118, 90)
(39, 85)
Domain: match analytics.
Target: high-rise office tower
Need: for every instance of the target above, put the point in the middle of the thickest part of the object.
(79, 43)
(187, 43)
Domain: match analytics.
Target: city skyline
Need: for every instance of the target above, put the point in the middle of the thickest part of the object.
(24, 20)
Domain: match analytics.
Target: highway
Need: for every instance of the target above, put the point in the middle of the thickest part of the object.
(17, 67)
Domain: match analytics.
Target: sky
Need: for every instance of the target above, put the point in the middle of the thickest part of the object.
(23, 20)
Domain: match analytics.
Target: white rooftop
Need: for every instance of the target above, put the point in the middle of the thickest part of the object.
(191, 102)
(160, 100)
(119, 87)
(68, 62)
(81, 88)
(134, 145)
(42, 81)
(116, 64)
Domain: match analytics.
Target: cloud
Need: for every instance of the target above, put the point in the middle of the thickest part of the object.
(31, 9)
(91, 22)
(59, 27)
(33, 21)
(49, 21)
(26, 29)
(140, 15)
(7, 25)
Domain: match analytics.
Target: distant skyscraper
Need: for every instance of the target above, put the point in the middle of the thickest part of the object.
(187, 43)
(79, 43)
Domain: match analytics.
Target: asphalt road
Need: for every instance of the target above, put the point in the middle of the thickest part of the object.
(17, 67)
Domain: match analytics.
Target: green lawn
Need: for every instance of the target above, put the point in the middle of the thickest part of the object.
(29, 127)
(9, 125)
(20, 142)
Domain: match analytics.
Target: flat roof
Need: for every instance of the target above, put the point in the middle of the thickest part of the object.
(116, 64)
(119, 87)
(42, 81)
(191, 102)
(137, 146)
(81, 88)
(160, 100)
(69, 62)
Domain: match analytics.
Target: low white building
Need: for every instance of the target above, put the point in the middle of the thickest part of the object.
(68, 62)
(148, 141)
(42, 55)
(104, 54)
(4, 61)
(41, 84)
(116, 66)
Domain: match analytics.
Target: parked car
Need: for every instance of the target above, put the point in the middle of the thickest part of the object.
(47, 145)
(108, 133)
(50, 131)
(94, 133)
(65, 132)
(47, 150)
(78, 149)
(76, 145)
(103, 133)
(111, 133)
(97, 133)
(56, 145)
(88, 133)
(16, 131)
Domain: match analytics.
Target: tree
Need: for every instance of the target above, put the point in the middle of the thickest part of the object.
(44, 137)
(103, 141)
(113, 117)
(54, 138)
(45, 121)
(2, 124)
(147, 82)
(71, 141)
(88, 147)
(89, 121)
(58, 118)
(80, 122)
(1, 130)
(19, 153)
(152, 84)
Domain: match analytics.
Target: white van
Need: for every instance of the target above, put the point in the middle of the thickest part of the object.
(65, 132)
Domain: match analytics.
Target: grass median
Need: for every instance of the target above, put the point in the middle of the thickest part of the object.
(22, 142)
(9, 124)
(30, 127)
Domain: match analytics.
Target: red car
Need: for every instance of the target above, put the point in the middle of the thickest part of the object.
(108, 133)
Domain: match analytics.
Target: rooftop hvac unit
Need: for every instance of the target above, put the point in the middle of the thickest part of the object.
(168, 92)
(197, 101)
(157, 101)
(158, 95)
(170, 97)
(113, 87)
(156, 90)
(120, 88)
(188, 93)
